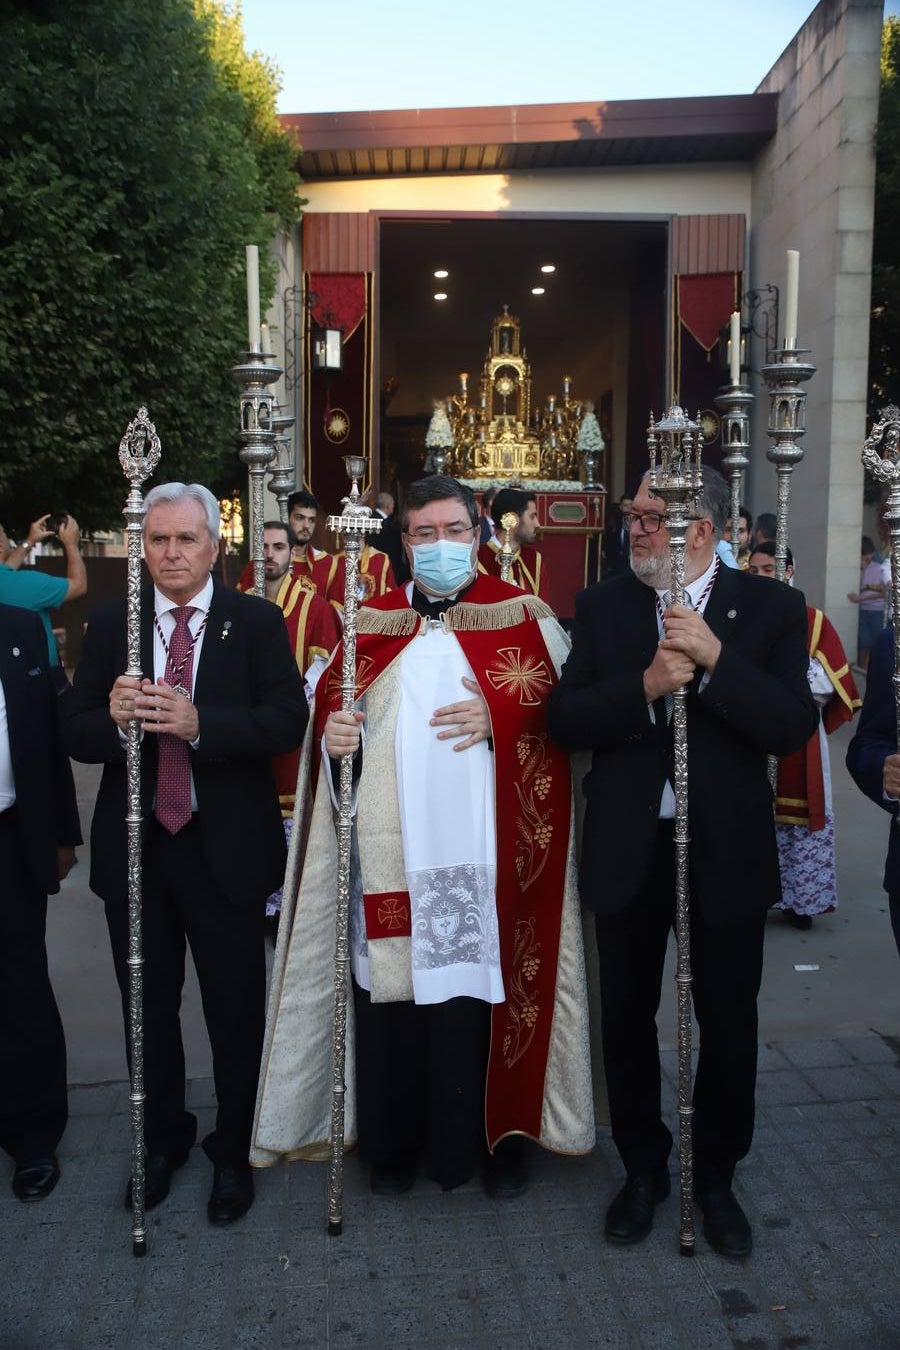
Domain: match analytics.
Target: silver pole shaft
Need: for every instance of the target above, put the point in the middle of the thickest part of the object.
(352, 548)
(683, 976)
(352, 525)
(139, 453)
(134, 513)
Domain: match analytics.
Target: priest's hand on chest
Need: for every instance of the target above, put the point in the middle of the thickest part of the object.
(468, 719)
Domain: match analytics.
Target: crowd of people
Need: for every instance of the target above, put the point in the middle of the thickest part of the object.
(469, 1017)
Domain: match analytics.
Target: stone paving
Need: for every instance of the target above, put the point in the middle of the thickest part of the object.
(459, 1271)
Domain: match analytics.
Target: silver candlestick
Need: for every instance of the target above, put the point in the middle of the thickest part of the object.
(678, 479)
(281, 471)
(734, 401)
(787, 423)
(353, 524)
(257, 442)
(139, 453)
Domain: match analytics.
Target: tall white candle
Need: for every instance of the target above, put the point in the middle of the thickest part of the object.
(735, 348)
(264, 338)
(791, 296)
(252, 297)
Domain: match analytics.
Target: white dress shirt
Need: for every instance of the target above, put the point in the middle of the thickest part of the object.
(696, 595)
(7, 782)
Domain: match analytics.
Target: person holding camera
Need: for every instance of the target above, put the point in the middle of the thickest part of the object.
(36, 590)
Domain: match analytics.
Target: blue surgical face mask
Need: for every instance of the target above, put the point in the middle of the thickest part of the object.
(444, 567)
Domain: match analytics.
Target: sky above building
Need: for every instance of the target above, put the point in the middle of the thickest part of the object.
(360, 55)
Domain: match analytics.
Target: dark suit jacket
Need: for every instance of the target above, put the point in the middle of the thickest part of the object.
(251, 705)
(756, 703)
(614, 547)
(389, 540)
(876, 738)
(46, 813)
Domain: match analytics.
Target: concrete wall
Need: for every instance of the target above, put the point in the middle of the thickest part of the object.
(813, 191)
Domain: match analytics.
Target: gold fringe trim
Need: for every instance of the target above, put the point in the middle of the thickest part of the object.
(469, 618)
(387, 622)
(461, 618)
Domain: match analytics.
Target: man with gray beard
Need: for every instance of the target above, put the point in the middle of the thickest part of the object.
(744, 662)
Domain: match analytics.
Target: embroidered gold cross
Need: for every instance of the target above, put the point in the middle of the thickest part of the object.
(526, 677)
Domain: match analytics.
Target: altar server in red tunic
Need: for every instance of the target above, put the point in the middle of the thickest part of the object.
(527, 571)
(375, 578)
(470, 1020)
(804, 814)
(314, 630)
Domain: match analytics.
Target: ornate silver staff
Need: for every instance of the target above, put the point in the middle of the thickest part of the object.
(257, 440)
(508, 522)
(678, 480)
(353, 524)
(881, 456)
(139, 452)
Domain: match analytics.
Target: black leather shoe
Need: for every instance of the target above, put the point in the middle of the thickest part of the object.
(394, 1177)
(231, 1195)
(801, 921)
(505, 1170)
(158, 1170)
(725, 1225)
(630, 1216)
(35, 1179)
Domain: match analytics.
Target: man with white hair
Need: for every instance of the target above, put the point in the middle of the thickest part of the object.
(221, 696)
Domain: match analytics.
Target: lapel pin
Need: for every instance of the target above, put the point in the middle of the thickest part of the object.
(16, 652)
(732, 614)
(225, 627)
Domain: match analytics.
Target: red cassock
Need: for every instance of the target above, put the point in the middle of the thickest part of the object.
(527, 571)
(314, 629)
(800, 798)
(307, 564)
(376, 577)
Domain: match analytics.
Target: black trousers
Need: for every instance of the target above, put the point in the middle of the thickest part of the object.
(726, 961)
(182, 904)
(420, 1076)
(33, 1101)
(894, 904)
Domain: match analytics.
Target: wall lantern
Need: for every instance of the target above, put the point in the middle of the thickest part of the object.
(327, 349)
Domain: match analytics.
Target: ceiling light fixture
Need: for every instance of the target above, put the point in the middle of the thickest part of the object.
(548, 267)
(441, 273)
(440, 295)
(537, 290)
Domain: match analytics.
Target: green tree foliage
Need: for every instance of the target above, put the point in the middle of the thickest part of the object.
(140, 152)
(884, 336)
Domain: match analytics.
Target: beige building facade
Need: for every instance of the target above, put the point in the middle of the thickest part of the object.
(640, 195)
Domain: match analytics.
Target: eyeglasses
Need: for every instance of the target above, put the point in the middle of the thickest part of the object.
(427, 534)
(649, 521)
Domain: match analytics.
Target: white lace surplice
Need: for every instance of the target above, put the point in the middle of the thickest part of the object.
(446, 800)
